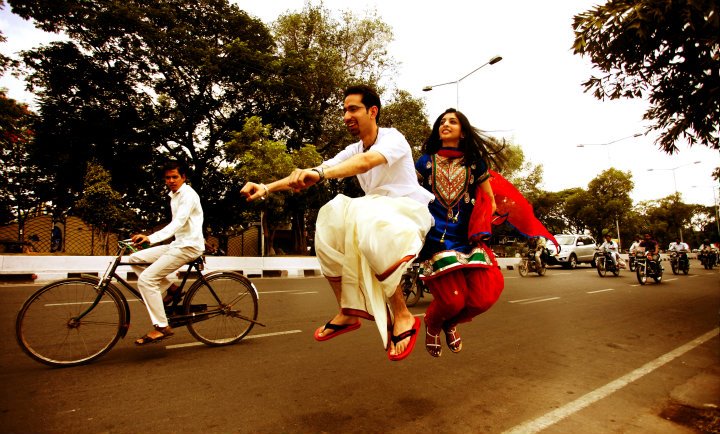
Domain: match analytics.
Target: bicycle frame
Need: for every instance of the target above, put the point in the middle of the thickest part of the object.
(174, 319)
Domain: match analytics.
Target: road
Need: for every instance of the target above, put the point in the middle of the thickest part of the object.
(564, 353)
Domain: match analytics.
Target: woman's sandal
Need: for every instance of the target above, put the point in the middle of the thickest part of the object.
(173, 293)
(165, 332)
(454, 341)
(432, 343)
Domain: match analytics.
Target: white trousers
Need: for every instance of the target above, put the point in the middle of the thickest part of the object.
(153, 279)
(365, 241)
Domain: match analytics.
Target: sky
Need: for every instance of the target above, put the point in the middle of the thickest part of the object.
(533, 96)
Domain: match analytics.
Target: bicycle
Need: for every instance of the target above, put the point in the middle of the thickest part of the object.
(74, 321)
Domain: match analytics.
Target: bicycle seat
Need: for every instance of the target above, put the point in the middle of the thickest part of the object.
(199, 262)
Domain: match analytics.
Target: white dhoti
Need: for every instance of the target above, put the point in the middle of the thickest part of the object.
(366, 241)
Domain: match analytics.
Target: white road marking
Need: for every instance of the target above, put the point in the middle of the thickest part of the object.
(534, 300)
(306, 292)
(264, 335)
(600, 290)
(555, 416)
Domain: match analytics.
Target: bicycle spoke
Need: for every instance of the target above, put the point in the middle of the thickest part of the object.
(226, 295)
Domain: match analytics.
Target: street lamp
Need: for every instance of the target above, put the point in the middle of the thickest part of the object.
(673, 169)
(582, 145)
(492, 61)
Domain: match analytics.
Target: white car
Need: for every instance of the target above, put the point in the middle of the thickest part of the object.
(574, 249)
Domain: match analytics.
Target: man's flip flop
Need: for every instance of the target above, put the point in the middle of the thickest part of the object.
(337, 330)
(412, 333)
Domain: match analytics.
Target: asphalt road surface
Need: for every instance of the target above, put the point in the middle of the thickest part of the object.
(569, 352)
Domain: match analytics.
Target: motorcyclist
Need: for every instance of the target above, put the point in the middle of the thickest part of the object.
(611, 246)
(707, 251)
(634, 246)
(678, 246)
(651, 246)
(679, 249)
(537, 248)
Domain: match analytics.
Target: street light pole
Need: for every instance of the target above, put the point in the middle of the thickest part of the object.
(673, 169)
(582, 145)
(492, 61)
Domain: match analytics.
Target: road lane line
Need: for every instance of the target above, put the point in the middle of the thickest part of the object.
(525, 299)
(533, 300)
(278, 292)
(541, 300)
(306, 292)
(264, 335)
(600, 290)
(670, 280)
(557, 415)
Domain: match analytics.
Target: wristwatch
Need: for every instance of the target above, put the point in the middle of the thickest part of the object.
(320, 171)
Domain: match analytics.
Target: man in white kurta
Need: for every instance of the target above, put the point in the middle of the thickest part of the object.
(363, 243)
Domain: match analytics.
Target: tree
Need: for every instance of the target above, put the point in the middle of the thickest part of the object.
(142, 81)
(100, 205)
(23, 186)
(320, 55)
(609, 195)
(665, 50)
(257, 156)
(409, 116)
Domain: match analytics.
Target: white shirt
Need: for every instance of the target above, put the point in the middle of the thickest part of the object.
(634, 246)
(396, 178)
(610, 246)
(678, 247)
(187, 220)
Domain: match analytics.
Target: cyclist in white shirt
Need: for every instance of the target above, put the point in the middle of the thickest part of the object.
(186, 227)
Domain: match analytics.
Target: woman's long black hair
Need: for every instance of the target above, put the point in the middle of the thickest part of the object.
(474, 143)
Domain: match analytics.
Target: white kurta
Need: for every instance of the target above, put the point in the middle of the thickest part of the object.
(367, 240)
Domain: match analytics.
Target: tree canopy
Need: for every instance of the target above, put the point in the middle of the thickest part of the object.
(667, 51)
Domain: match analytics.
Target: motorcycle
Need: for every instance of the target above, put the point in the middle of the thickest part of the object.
(604, 263)
(708, 258)
(412, 286)
(679, 262)
(528, 265)
(646, 266)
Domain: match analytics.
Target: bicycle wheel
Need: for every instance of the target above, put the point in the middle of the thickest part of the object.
(48, 331)
(224, 307)
(410, 288)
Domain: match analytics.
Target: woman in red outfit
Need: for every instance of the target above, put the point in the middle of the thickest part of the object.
(458, 267)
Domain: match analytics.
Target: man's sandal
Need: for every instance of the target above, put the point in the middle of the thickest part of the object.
(337, 330)
(454, 341)
(432, 343)
(165, 332)
(412, 334)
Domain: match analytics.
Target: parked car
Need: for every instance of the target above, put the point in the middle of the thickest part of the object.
(574, 249)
